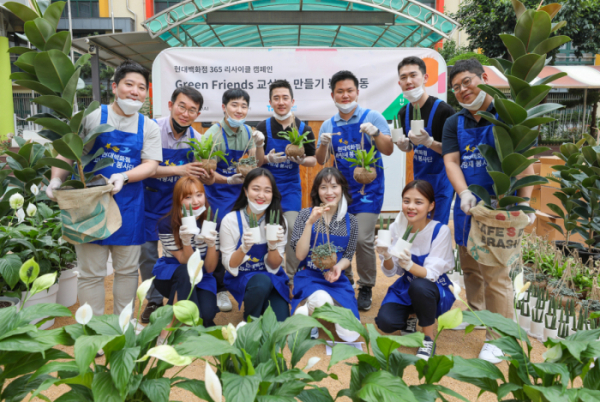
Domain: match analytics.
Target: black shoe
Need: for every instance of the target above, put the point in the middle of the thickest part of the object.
(427, 350)
(151, 307)
(411, 326)
(365, 296)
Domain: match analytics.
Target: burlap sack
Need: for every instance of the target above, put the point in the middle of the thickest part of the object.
(495, 236)
(88, 214)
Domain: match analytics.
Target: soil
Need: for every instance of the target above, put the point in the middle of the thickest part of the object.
(5, 304)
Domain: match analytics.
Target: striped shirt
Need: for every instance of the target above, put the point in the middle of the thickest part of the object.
(167, 238)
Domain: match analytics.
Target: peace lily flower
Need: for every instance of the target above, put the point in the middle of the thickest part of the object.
(20, 215)
(84, 314)
(35, 190)
(194, 267)
(240, 325)
(311, 362)
(43, 282)
(519, 287)
(125, 316)
(229, 333)
(29, 271)
(143, 289)
(167, 354)
(553, 354)
(212, 384)
(16, 201)
(31, 209)
(186, 311)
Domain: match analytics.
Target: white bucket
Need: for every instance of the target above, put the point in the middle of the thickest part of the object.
(397, 133)
(537, 329)
(189, 221)
(399, 247)
(45, 296)
(207, 227)
(255, 234)
(384, 238)
(272, 232)
(525, 322)
(67, 294)
(416, 126)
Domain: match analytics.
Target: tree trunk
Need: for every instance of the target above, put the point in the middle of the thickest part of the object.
(593, 125)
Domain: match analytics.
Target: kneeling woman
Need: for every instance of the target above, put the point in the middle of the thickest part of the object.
(316, 226)
(423, 284)
(254, 275)
(179, 243)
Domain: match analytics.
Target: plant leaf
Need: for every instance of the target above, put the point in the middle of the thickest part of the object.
(53, 13)
(532, 28)
(22, 11)
(482, 193)
(56, 103)
(38, 32)
(548, 45)
(60, 41)
(515, 46)
(54, 69)
(501, 182)
(532, 96)
(515, 164)
(528, 67)
(35, 86)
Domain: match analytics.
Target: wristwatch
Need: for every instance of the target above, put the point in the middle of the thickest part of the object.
(125, 178)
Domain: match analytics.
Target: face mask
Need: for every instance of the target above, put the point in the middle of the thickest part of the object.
(178, 127)
(476, 104)
(346, 107)
(258, 208)
(282, 117)
(414, 95)
(129, 106)
(199, 211)
(342, 209)
(233, 123)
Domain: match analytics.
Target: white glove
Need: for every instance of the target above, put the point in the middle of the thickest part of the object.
(276, 157)
(530, 215)
(325, 138)
(259, 138)
(467, 201)
(117, 180)
(280, 237)
(405, 260)
(210, 241)
(235, 179)
(247, 242)
(403, 143)
(369, 129)
(53, 185)
(422, 138)
(186, 234)
(382, 250)
(298, 159)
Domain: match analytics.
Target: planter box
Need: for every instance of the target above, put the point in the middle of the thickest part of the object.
(546, 168)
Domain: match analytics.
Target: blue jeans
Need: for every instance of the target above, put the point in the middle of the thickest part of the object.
(148, 258)
(260, 292)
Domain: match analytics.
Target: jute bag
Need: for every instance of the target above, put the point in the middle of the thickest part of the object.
(495, 236)
(88, 214)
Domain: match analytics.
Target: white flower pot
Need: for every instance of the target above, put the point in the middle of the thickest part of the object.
(45, 296)
(189, 221)
(397, 133)
(384, 238)
(550, 333)
(461, 280)
(67, 294)
(416, 126)
(255, 234)
(525, 323)
(14, 301)
(272, 232)
(532, 302)
(207, 227)
(537, 329)
(399, 247)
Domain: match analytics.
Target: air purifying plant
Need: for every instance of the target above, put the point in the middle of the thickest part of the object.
(274, 218)
(205, 153)
(416, 112)
(208, 214)
(382, 225)
(551, 321)
(187, 212)
(252, 220)
(365, 160)
(406, 234)
(324, 255)
(245, 165)
(396, 126)
(537, 315)
(297, 141)
(525, 311)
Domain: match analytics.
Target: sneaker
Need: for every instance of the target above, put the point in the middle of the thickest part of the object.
(365, 296)
(314, 333)
(223, 301)
(137, 326)
(151, 307)
(411, 326)
(491, 353)
(464, 325)
(427, 350)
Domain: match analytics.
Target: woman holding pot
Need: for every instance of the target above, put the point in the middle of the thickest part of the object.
(317, 226)
(179, 241)
(422, 266)
(254, 274)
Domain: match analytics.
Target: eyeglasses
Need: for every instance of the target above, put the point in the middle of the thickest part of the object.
(190, 112)
(465, 83)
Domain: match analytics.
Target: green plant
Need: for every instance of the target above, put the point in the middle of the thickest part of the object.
(383, 226)
(249, 161)
(295, 138)
(537, 315)
(252, 220)
(274, 218)
(364, 159)
(214, 219)
(186, 213)
(563, 330)
(406, 235)
(205, 148)
(416, 112)
(551, 321)
(396, 123)
(525, 309)
(320, 254)
(469, 55)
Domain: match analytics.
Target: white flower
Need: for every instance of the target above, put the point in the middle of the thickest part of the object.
(35, 190)
(212, 384)
(553, 354)
(143, 289)
(84, 314)
(31, 209)
(43, 282)
(311, 362)
(16, 201)
(519, 287)
(167, 354)
(194, 267)
(229, 333)
(20, 215)
(126, 316)
(240, 325)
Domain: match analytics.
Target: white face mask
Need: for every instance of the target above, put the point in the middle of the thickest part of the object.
(476, 104)
(342, 209)
(414, 95)
(199, 211)
(281, 117)
(258, 208)
(129, 106)
(346, 107)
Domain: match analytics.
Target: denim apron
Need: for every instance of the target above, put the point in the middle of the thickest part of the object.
(343, 147)
(429, 166)
(126, 151)
(398, 292)
(309, 278)
(287, 174)
(223, 196)
(158, 193)
(255, 265)
(473, 166)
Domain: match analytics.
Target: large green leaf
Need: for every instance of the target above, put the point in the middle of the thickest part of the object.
(515, 46)
(104, 389)
(515, 164)
(53, 13)
(38, 311)
(205, 346)
(482, 193)
(550, 44)
(519, 8)
(196, 387)
(533, 27)
(382, 386)
(76, 120)
(9, 269)
(35, 86)
(60, 41)
(501, 182)
(503, 65)
(69, 91)
(122, 363)
(532, 180)
(239, 389)
(157, 390)
(498, 322)
(25, 62)
(59, 163)
(540, 110)
(342, 316)
(510, 200)
(504, 144)
(516, 85)
(91, 136)
(492, 119)
(491, 156)
(317, 394)
(56, 103)
(25, 175)
(19, 50)
(56, 125)
(22, 11)
(492, 91)
(537, 121)
(23, 76)
(63, 149)
(102, 163)
(532, 96)
(86, 348)
(342, 352)
(54, 69)
(465, 369)
(550, 78)
(82, 60)
(435, 368)
(38, 32)
(522, 137)
(528, 67)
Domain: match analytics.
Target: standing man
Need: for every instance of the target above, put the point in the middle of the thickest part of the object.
(137, 138)
(223, 187)
(286, 170)
(427, 143)
(488, 287)
(175, 131)
(353, 128)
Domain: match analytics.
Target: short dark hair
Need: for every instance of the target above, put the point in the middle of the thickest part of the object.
(426, 190)
(191, 93)
(326, 175)
(235, 93)
(341, 76)
(471, 65)
(130, 66)
(413, 60)
(280, 84)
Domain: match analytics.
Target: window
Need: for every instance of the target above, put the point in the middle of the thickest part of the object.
(161, 5)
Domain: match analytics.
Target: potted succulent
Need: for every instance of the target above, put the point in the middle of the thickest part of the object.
(397, 130)
(187, 217)
(245, 165)
(563, 330)
(254, 227)
(323, 256)
(205, 153)
(404, 243)
(273, 226)
(550, 330)
(416, 124)
(297, 141)
(384, 236)
(364, 162)
(537, 323)
(209, 224)
(525, 317)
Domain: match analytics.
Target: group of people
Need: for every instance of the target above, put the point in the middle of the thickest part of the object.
(279, 271)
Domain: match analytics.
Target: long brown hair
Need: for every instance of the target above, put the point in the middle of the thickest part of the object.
(185, 186)
(326, 175)
(426, 190)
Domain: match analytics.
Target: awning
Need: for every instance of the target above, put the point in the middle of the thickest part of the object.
(578, 77)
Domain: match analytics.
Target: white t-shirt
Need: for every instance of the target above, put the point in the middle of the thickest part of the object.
(152, 148)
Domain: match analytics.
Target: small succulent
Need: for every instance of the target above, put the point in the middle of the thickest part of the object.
(252, 220)
(295, 138)
(251, 161)
(416, 112)
(274, 218)
(406, 235)
(208, 215)
(382, 226)
(364, 159)
(185, 213)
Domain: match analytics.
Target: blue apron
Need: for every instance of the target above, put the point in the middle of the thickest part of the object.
(349, 141)
(473, 166)
(255, 265)
(429, 166)
(309, 278)
(158, 193)
(223, 196)
(166, 266)
(287, 174)
(126, 151)
(398, 292)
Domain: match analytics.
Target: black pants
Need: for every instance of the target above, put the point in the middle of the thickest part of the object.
(180, 284)
(260, 292)
(424, 295)
(219, 275)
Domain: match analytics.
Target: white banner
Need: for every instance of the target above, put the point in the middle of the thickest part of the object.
(214, 70)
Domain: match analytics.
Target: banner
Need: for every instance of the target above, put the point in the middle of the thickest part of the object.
(214, 70)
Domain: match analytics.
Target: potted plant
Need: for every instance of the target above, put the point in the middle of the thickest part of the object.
(397, 130)
(273, 226)
(563, 330)
(404, 243)
(416, 124)
(537, 323)
(187, 217)
(384, 236)
(364, 162)
(323, 256)
(297, 141)
(525, 317)
(254, 227)
(209, 224)
(205, 153)
(245, 165)
(550, 330)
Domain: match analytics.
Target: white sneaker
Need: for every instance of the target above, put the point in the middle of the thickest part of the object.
(223, 301)
(314, 333)
(464, 325)
(491, 353)
(137, 326)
